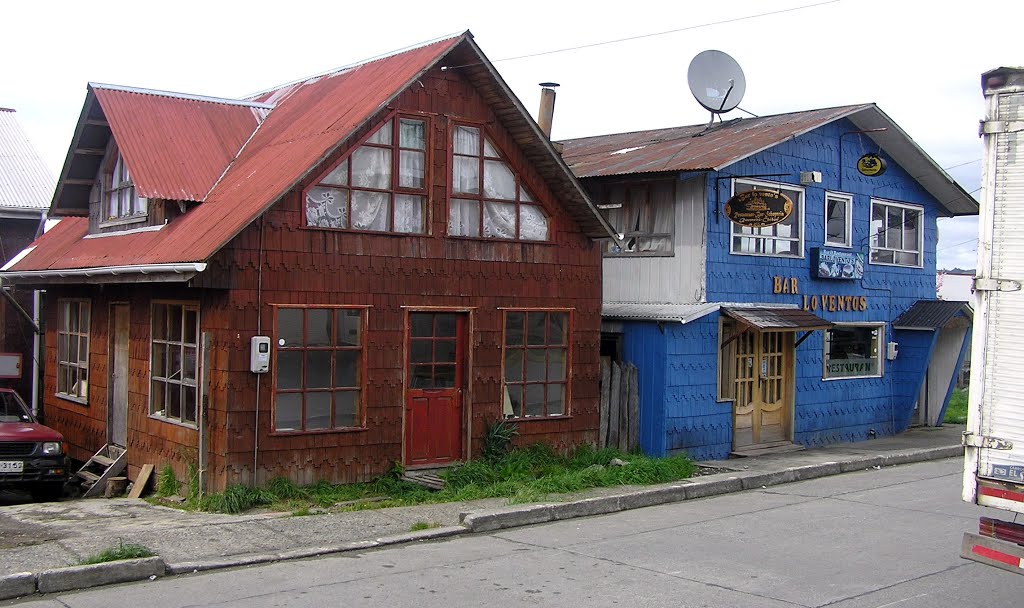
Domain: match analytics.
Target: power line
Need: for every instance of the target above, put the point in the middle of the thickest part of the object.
(675, 31)
(957, 244)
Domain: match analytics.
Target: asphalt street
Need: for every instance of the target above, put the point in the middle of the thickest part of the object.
(876, 538)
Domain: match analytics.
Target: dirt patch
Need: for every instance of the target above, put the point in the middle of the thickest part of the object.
(17, 533)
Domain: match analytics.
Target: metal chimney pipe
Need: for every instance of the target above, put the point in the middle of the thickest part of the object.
(547, 107)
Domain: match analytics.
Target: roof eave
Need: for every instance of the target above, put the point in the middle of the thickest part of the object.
(144, 273)
(56, 209)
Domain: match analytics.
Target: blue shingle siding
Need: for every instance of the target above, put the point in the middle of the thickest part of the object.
(680, 412)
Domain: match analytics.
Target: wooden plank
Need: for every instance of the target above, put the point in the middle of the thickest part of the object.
(613, 406)
(634, 408)
(141, 481)
(606, 377)
(623, 443)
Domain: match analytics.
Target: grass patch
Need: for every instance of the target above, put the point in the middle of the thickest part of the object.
(121, 551)
(166, 483)
(529, 474)
(422, 525)
(956, 411)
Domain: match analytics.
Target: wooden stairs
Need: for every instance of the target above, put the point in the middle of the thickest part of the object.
(427, 478)
(109, 462)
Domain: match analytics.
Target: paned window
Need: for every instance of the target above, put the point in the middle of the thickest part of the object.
(838, 222)
(853, 351)
(644, 222)
(488, 198)
(319, 369)
(896, 234)
(784, 239)
(122, 200)
(536, 363)
(381, 186)
(73, 349)
(174, 371)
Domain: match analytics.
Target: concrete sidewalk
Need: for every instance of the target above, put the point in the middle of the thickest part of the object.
(41, 543)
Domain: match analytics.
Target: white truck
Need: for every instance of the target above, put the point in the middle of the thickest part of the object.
(994, 438)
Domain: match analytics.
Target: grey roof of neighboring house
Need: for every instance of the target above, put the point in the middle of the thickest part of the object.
(25, 182)
(931, 314)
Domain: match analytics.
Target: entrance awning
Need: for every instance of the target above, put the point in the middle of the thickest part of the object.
(929, 315)
(763, 318)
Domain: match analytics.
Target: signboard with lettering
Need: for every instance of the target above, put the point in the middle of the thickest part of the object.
(836, 264)
(758, 208)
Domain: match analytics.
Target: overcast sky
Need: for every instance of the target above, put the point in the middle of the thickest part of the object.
(919, 61)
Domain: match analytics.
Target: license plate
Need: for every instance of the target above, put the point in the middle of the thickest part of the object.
(11, 466)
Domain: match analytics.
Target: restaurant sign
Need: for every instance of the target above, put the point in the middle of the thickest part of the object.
(758, 208)
(836, 264)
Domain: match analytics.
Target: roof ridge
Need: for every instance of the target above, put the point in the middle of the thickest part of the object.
(342, 69)
(701, 125)
(176, 95)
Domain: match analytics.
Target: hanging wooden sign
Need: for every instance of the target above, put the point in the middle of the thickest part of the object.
(871, 165)
(758, 208)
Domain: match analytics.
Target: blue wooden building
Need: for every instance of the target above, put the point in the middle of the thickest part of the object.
(755, 334)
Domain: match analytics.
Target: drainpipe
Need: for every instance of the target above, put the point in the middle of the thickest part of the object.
(547, 107)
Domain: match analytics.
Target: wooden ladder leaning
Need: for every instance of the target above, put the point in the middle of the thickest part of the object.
(109, 462)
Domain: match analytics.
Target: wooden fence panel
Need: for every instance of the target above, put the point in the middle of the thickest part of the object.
(620, 406)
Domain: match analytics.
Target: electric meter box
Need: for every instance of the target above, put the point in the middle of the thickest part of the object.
(259, 354)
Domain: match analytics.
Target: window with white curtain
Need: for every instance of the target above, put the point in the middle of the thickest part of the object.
(122, 201)
(784, 239)
(489, 199)
(644, 220)
(381, 186)
(897, 234)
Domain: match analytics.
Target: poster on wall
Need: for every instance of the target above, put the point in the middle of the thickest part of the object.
(836, 264)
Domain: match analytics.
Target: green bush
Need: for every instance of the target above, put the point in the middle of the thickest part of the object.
(956, 411)
(121, 551)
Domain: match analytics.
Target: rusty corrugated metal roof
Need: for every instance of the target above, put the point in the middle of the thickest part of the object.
(931, 314)
(691, 148)
(176, 147)
(784, 319)
(26, 185)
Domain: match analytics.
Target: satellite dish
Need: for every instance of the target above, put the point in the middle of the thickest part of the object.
(716, 80)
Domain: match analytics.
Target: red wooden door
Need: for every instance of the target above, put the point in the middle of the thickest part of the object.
(433, 401)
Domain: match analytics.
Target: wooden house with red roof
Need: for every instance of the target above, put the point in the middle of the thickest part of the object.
(413, 256)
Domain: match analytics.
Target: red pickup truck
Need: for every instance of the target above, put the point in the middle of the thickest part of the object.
(32, 456)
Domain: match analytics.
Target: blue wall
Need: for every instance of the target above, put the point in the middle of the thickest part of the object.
(678, 362)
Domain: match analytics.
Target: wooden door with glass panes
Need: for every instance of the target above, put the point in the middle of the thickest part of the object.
(436, 357)
(761, 409)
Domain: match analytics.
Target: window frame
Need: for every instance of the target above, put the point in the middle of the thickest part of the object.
(361, 369)
(63, 320)
(648, 209)
(798, 223)
(826, 343)
(481, 199)
(566, 381)
(873, 236)
(848, 200)
(726, 346)
(116, 179)
(182, 383)
(394, 188)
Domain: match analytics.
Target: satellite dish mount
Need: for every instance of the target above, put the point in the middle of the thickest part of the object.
(716, 81)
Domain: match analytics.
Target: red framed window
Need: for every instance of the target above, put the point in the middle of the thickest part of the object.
(488, 198)
(536, 363)
(73, 349)
(380, 186)
(318, 372)
(435, 350)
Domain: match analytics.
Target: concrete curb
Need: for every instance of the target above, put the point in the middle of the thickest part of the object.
(701, 487)
(306, 552)
(94, 575)
(17, 585)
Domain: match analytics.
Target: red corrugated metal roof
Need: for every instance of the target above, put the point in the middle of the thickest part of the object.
(680, 149)
(175, 147)
(309, 120)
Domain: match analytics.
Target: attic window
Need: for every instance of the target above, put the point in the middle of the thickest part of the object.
(380, 186)
(122, 201)
(488, 198)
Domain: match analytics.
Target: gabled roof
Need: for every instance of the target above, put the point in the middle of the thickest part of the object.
(931, 314)
(25, 183)
(696, 148)
(309, 121)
